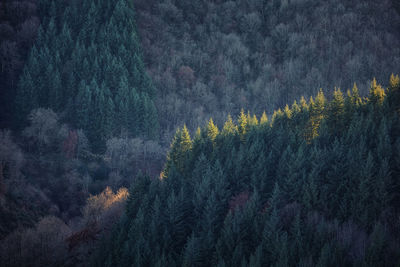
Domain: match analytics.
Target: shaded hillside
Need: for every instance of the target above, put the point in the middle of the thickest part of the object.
(19, 22)
(316, 185)
(216, 57)
(86, 64)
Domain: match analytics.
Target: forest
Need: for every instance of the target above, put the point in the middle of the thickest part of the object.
(316, 185)
(199, 133)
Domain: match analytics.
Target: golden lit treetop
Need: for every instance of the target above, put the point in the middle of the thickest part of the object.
(287, 112)
(186, 141)
(229, 127)
(303, 104)
(376, 93)
(253, 121)
(394, 82)
(212, 130)
(295, 108)
(319, 103)
(242, 123)
(264, 118)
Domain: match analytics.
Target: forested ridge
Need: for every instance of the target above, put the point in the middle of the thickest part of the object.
(93, 92)
(86, 63)
(212, 58)
(317, 184)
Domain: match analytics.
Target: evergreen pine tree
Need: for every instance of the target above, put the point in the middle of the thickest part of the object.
(376, 93)
(229, 127)
(212, 130)
(242, 125)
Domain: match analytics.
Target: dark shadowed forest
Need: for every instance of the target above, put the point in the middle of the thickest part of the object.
(199, 133)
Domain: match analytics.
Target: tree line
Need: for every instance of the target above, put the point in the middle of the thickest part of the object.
(86, 64)
(212, 58)
(314, 185)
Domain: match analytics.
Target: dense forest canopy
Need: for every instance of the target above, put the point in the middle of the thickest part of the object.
(316, 185)
(186, 103)
(216, 57)
(204, 57)
(86, 64)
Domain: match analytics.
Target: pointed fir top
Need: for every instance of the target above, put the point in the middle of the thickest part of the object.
(277, 114)
(338, 95)
(229, 127)
(287, 111)
(264, 118)
(354, 95)
(295, 108)
(186, 141)
(303, 103)
(212, 130)
(253, 121)
(374, 83)
(320, 99)
(242, 123)
(394, 82)
(377, 93)
(355, 89)
(311, 101)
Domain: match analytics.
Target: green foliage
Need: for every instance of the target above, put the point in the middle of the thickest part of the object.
(376, 93)
(242, 124)
(179, 154)
(211, 130)
(229, 127)
(276, 198)
(90, 54)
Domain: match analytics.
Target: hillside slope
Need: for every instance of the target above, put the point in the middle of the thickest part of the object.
(317, 185)
(86, 64)
(216, 57)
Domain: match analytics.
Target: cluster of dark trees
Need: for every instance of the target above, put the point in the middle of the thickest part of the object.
(86, 64)
(316, 185)
(211, 58)
(93, 91)
(55, 242)
(50, 169)
(19, 22)
(205, 58)
(51, 187)
(84, 119)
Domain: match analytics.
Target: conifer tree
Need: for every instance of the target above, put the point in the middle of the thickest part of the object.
(84, 42)
(376, 93)
(229, 127)
(242, 125)
(276, 199)
(179, 154)
(394, 92)
(287, 112)
(212, 130)
(336, 111)
(263, 119)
